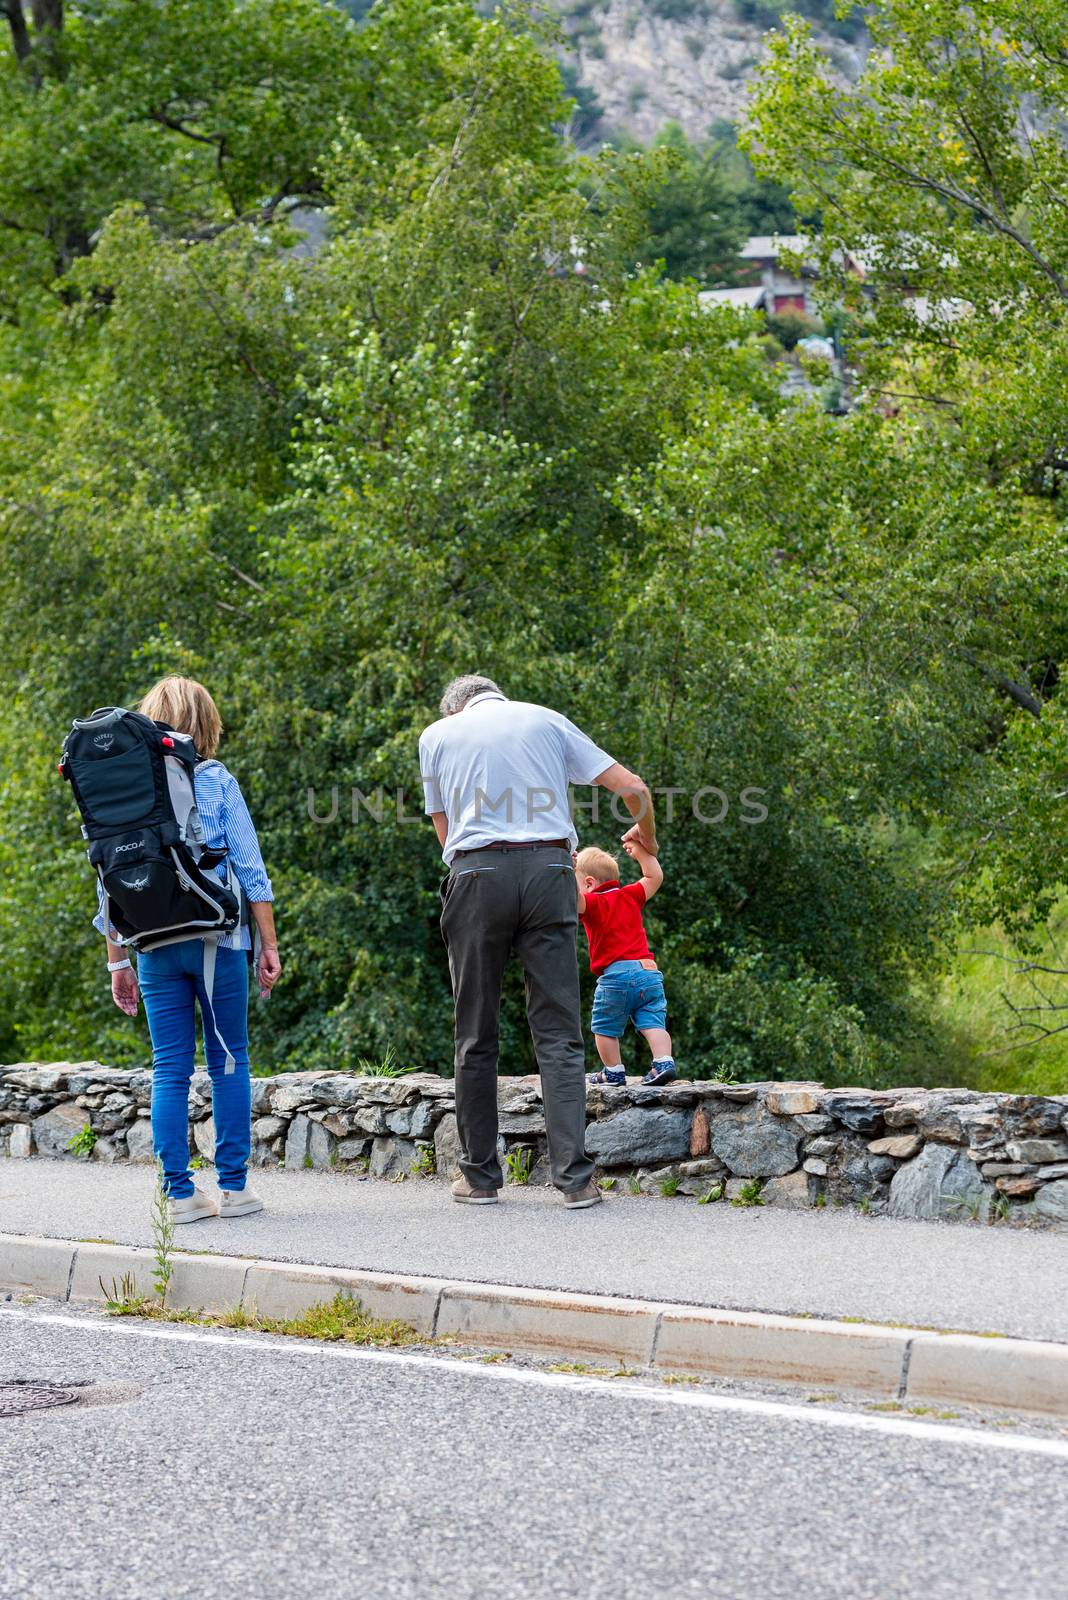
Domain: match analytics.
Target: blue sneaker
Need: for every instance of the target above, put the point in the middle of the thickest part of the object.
(661, 1072)
(615, 1077)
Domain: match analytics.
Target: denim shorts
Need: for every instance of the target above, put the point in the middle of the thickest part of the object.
(628, 992)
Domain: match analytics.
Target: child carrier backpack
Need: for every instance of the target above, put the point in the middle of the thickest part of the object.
(133, 781)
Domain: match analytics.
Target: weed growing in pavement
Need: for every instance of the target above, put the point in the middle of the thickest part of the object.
(864, 1204)
(633, 1186)
(821, 1200)
(519, 1164)
(83, 1142)
(723, 1075)
(748, 1194)
(607, 1184)
(669, 1186)
(387, 1065)
(162, 1225)
(885, 1405)
(679, 1377)
(500, 1355)
(714, 1194)
(821, 1399)
(341, 1319)
(999, 1209)
(239, 1316)
(307, 1163)
(426, 1162)
(197, 1164)
(122, 1299)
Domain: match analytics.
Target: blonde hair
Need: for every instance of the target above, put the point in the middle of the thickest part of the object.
(189, 708)
(594, 863)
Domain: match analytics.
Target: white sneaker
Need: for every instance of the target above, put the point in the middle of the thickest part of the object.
(238, 1203)
(192, 1208)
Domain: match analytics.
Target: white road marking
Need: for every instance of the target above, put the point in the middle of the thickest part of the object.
(699, 1400)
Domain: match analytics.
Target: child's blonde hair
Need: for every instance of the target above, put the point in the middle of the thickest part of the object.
(594, 863)
(189, 708)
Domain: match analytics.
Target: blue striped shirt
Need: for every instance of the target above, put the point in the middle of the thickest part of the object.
(227, 825)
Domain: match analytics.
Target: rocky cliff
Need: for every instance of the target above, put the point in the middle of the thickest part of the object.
(690, 61)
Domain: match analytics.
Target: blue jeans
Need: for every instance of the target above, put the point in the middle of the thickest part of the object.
(628, 992)
(172, 983)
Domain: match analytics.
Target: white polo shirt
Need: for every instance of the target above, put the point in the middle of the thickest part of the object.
(500, 770)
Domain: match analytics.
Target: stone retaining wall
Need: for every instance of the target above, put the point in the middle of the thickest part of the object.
(909, 1152)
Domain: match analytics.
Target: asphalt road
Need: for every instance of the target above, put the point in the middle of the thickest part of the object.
(826, 1263)
(236, 1464)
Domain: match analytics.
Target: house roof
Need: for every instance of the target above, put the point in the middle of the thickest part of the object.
(769, 246)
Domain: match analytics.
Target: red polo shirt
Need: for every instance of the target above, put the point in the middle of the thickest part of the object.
(613, 923)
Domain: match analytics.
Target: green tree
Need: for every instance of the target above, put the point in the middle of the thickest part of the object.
(944, 171)
(465, 432)
(692, 221)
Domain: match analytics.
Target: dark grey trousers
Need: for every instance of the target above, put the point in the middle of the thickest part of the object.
(494, 902)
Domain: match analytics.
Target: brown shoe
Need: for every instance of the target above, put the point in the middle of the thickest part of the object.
(466, 1195)
(579, 1199)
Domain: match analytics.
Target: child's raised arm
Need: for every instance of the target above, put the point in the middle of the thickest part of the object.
(652, 872)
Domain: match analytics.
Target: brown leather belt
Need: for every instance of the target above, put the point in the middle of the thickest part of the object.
(519, 844)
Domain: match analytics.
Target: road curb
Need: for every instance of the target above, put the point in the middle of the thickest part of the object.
(888, 1363)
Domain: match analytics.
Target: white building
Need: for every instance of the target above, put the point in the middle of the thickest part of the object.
(784, 288)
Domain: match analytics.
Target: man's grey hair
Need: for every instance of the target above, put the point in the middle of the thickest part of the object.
(461, 690)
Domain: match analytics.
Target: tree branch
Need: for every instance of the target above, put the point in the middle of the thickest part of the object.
(176, 125)
(20, 36)
(960, 197)
(1017, 692)
(47, 16)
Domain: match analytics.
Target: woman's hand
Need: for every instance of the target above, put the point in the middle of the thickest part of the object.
(268, 969)
(124, 990)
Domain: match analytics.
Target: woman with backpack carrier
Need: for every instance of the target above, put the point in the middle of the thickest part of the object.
(175, 872)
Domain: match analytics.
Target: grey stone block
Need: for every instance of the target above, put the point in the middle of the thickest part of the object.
(792, 1189)
(425, 1118)
(352, 1149)
(139, 1140)
(390, 1156)
(857, 1111)
(204, 1138)
(754, 1144)
(447, 1147)
(940, 1182)
(1037, 1150)
(53, 1130)
(1052, 1202)
(21, 1141)
(309, 1144)
(638, 1138)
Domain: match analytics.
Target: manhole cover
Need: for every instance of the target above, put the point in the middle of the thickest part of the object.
(21, 1396)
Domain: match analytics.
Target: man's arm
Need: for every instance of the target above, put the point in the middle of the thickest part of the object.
(638, 801)
(652, 872)
(441, 826)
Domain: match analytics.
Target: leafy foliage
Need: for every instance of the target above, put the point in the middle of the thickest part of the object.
(465, 432)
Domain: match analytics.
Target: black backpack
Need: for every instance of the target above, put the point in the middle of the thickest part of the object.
(133, 779)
